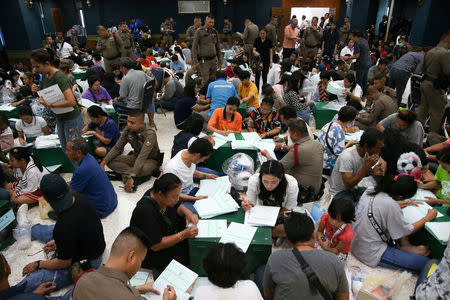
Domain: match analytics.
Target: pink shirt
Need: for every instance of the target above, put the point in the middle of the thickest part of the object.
(289, 32)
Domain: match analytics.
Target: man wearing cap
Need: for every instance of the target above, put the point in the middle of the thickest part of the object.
(89, 179)
(77, 236)
(137, 168)
(111, 46)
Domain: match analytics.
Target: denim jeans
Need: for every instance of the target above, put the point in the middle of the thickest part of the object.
(361, 76)
(190, 204)
(208, 171)
(394, 258)
(4, 194)
(425, 272)
(44, 233)
(69, 129)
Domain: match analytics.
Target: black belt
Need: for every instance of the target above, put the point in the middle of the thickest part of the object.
(206, 57)
(316, 46)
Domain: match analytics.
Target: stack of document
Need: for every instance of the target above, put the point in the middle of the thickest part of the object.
(211, 228)
(440, 230)
(216, 205)
(140, 278)
(86, 103)
(222, 140)
(250, 136)
(7, 107)
(252, 141)
(239, 234)
(356, 136)
(421, 195)
(210, 187)
(412, 213)
(47, 141)
(260, 215)
(176, 275)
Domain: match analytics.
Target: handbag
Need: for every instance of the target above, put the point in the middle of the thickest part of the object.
(256, 64)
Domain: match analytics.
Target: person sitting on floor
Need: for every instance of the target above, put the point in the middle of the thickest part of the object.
(272, 187)
(138, 167)
(96, 93)
(224, 265)
(352, 90)
(173, 91)
(376, 247)
(268, 91)
(324, 95)
(265, 120)
(351, 127)
(226, 120)
(29, 127)
(77, 234)
(127, 253)
(29, 172)
(103, 129)
(218, 92)
(177, 66)
(183, 165)
(405, 122)
(441, 181)
(248, 92)
(6, 135)
(162, 217)
(188, 103)
(89, 179)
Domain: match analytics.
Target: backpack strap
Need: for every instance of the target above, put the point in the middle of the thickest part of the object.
(326, 139)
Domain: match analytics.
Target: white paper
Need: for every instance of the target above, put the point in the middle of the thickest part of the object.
(250, 136)
(261, 215)
(210, 187)
(211, 228)
(242, 145)
(413, 213)
(266, 144)
(86, 103)
(421, 194)
(53, 168)
(108, 106)
(356, 136)
(440, 230)
(47, 141)
(240, 234)
(201, 281)
(7, 107)
(221, 140)
(140, 278)
(53, 94)
(216, 205)
(176, 275)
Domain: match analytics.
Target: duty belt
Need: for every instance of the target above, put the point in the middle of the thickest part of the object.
(206, 57)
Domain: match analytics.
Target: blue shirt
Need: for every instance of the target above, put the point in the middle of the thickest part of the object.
(336, 141)
(108, 130)
(178, 66)
(219, 91)
(90, 180)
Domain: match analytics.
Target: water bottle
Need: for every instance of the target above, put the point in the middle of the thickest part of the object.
(357, 279)
(312, 123)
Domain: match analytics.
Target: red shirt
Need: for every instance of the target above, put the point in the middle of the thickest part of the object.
(345, 235)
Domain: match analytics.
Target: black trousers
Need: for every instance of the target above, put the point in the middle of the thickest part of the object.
(264, 72)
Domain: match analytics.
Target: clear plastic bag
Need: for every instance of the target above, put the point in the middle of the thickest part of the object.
(239, 168)
(22, 234)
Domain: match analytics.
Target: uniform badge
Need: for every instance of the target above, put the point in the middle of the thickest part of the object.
(148, 144)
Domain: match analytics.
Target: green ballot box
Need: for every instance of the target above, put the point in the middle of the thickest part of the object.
(323, 114)
(7, 223)
(257, 254)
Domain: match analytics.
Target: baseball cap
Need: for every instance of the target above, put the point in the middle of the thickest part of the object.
(55, 190)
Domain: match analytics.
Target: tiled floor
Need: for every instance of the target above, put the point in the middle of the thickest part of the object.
(120, 218)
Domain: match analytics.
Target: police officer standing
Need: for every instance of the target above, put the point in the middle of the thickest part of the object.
(206, 49)
(190, 32)
(272, 30)
(251, 32)
(127, 39)
(167, 32)
(111, 47)
(227, 30)
(137, 168)
(312, 39)
(436, 80)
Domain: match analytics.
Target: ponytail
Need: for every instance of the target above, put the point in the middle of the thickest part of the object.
(166, 183)
(400, 185)
(23, 153)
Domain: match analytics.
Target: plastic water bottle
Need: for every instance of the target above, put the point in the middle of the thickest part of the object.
(312, 123)
(357, 279)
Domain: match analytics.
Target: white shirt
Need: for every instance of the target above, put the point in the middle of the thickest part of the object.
(274, 74)
(34, 129)
(242, 290)
(30, 180)
(177, 167)
(357, 91)
(65, 50)
(290, 198)
(346, 50)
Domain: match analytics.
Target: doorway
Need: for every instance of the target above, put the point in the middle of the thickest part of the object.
(309, 12)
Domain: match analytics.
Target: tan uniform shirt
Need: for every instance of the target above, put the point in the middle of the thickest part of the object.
(144, 144)
(390, 92)
(127, 39)
(228, 28)
(382, 107)
(111, 47)
(73, 40)
(251, 32)
(437, 62)
(272, 33)
(206, 44)
(309, 170)
(105, 284)
(166, 29)
(312, 38)
(190, 33)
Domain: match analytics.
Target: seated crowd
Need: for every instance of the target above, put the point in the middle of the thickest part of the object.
(374, 154)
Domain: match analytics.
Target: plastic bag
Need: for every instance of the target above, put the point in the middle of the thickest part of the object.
(22, 234)
(239, 168)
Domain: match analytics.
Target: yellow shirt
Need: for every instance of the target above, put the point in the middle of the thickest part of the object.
(244, 92)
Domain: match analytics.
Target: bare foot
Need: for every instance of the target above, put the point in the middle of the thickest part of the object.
(421, 250)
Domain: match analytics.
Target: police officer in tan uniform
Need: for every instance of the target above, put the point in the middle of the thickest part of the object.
(227, 30)
(206, 49)
(436, 79)
(251, 32)
(167, 32)
(344, 31)
(312, 39)
(136, 168)
(127, 39)
(272, 30)
(190, 32)
(111, 47)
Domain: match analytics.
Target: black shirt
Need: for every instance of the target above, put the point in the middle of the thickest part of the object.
(331, 38)
(181, 141)
(78, 232)
(156, 225)
(263, 48)
(391, 155)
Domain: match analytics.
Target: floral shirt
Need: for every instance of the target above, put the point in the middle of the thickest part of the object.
(291, 98)
(336, 140)
(263, 125)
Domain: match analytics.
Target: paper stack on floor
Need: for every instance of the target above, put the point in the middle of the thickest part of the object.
(260, 215)
(240, 234)
(412, 213)
(440, 230)
(176, 275)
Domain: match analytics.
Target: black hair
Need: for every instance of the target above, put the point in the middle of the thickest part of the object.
(347, 113)
(298, 227)
(244, 75)
(357, 33)
(224, 264)
(127, 63)
(351, 78)
(44, 55)
(342, 207)
(276, 58)
(268, 100)
(383, 61)
(355, 103)
(233, 101)
(267, 90)
(174, 57)
(340, 62)
(194, 124)
(167, 75)
(325, 75)
(275, 168)
(407, 116)
(294, 81)
(25, 110)
(189, 88)
(23, 153)
(284, 78)
(285, 67)
(298, 126)
(136, 233)
(96, 56)
(370, 137)
(80, 144)
(136, 114)
(108, 80)
(288, 112)
(166, 183)
(96, 111)
(394, 139)
(444, 155)
(92, 79)
(402, 185)
(115, 67)
(201, 146)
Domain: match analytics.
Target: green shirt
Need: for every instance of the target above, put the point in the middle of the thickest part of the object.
(444, 178)
(63, 82)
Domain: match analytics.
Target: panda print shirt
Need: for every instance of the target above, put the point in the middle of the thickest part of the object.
(404, 162)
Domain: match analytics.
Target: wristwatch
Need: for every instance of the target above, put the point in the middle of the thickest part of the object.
(37, 264)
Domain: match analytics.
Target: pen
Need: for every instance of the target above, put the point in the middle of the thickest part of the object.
(54, 277)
